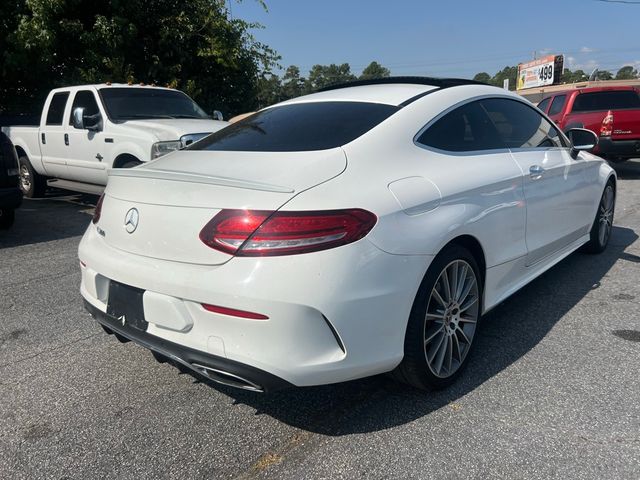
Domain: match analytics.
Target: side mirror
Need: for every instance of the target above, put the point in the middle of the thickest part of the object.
(581, 140)
(86, 122)
(78, 118)
(217, 115)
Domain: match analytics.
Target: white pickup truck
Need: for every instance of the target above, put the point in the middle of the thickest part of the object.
(86, 130)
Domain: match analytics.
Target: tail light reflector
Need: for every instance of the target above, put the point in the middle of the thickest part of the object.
(255, 233)
(233, 312)
(98, 210)
(606, 129)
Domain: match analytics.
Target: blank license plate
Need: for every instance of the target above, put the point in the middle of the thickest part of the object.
(125, 305)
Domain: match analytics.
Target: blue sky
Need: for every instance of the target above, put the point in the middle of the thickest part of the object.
(456, 38)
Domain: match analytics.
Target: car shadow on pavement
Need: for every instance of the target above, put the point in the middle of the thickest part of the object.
(629, 170)
(379, 403)
(58, 215)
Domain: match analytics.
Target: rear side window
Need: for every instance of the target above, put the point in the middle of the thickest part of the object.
(544, 104)
(56, 108)
(465, 129)
(298, 127)
(521, 126)
(612, 100)
(84, 99)
(558, 103)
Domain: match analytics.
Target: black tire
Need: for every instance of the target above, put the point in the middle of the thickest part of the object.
(32, 184)
(415, 369)
(131, 164)
(597, 241)
(7, 217)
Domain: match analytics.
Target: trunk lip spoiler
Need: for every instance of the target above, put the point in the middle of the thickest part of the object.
(177, 176)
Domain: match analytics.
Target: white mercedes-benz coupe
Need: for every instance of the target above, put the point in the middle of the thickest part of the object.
(358, 230)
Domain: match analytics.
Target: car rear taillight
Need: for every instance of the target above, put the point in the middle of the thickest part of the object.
(256, 233)
(98, 210)
(606, 129)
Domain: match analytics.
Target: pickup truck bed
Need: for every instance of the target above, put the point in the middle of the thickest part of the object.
(84, 131)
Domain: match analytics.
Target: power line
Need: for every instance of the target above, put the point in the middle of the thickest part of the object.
(628, 2)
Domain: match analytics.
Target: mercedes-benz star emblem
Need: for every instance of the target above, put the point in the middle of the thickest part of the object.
(131, 220)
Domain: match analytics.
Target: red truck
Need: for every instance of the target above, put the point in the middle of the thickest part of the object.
(613, 113)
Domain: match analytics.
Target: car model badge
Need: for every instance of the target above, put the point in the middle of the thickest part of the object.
(131, 220)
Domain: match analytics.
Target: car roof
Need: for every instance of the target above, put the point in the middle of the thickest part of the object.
(578, 91)
(386, 94)
(396, 91)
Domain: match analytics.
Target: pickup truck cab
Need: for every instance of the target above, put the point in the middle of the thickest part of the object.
(613, 113)
(86, 130)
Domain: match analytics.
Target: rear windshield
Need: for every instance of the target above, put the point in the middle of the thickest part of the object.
(298, 127)
(613, 100)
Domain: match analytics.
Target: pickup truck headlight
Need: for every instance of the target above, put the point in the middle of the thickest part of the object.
(162, 148)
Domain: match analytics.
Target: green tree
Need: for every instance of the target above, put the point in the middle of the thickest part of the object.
(572, 77)
(604, 75)
(195, 46)
(324, 75)
(269, 90)
(375, 70)
(483, 77)
(292, 83)
(580, 76)
(627, 73)
(507, 72)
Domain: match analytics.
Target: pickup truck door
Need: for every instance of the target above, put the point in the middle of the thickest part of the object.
(558, 195)
(52, 136)
(89, 150)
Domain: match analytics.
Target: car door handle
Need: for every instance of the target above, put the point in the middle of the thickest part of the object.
(44, 138)
(536, 171)
(66, 139)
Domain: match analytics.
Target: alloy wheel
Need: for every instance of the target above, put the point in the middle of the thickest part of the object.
(605, 215)
(451, 318)
(25, 178)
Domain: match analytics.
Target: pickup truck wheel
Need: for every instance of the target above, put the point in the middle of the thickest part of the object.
(32, 184)
(131, 164)
(7, 218)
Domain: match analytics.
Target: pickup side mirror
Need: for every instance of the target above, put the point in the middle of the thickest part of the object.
(581, 140)
(86, 122)
(217, 115)
(78, 118)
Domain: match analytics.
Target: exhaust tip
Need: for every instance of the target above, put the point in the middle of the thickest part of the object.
(226, 378)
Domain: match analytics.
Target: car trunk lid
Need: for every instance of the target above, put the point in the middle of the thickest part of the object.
(175, 196)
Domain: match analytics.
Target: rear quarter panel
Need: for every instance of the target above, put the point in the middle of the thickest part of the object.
(481, 196)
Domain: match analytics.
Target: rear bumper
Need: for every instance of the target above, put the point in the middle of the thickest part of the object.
(218, 369)
(617, 148)
(10, 198)
(333, 316)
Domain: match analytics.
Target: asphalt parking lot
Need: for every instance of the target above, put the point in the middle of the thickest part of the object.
(552, 389)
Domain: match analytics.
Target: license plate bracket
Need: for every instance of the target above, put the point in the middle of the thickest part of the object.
(125, 305)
